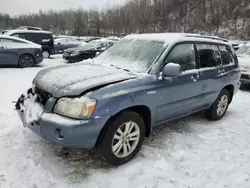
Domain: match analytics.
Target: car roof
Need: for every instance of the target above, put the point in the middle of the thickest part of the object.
(15, 38)
(11, 32)
(170, 38)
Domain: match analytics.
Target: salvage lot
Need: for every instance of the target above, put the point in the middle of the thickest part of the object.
(192, 152)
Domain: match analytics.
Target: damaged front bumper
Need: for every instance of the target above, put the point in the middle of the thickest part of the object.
(55, 128)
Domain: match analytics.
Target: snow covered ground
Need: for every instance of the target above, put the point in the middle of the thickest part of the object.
(192, 152)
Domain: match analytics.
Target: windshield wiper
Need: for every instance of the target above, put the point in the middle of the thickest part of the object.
(120, 68)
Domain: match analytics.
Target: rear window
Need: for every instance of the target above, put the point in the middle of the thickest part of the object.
(226, 55)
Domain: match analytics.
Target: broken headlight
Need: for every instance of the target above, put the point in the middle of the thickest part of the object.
(78, 108)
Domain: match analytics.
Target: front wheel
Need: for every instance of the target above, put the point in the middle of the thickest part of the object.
(220, 106)
(121, 140)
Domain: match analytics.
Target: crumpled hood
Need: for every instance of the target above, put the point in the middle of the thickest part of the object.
(72, 80)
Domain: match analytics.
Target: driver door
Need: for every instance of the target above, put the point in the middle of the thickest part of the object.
(181, 95)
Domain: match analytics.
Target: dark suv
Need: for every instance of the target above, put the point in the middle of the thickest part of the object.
(44, 38)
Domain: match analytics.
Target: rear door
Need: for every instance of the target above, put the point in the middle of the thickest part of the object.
(211, 70)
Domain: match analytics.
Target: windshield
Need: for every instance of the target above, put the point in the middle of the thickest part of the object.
(244, 50)
(92, 44)
(131, 54)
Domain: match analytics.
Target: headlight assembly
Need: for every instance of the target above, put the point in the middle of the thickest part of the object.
(75, 53)
(78, 108)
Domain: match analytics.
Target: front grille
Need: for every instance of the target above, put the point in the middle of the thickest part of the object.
(244, 76)
(42, 96)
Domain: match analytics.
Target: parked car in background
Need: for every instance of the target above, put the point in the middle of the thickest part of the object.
(89, 50)
(62, 44)
(244, 61)
(88, 39)
(140, 82)
(43, 38)
(115, 38)
(16, 51)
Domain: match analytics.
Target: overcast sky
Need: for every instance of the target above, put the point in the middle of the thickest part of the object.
(16, 7)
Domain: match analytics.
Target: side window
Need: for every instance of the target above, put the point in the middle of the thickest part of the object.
(184, 55)
(19, 35)
(34, 37)
(45, 37)
(226, 55)
(209, 55)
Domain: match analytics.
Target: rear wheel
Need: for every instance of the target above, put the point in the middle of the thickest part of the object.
(122, 139)
(220, 106)
(26, 61)
(46, 54)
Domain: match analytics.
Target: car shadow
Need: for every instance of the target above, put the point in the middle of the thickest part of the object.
(81, 163)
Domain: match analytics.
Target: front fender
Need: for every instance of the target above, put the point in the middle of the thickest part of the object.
(112, 105)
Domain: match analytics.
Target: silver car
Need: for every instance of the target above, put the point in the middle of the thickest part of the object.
(16, 51)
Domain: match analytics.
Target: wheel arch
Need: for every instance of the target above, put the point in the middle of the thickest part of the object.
(142, 110)
(27, 54)
(230, 89)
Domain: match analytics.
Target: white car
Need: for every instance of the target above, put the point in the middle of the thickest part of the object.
(244, 61)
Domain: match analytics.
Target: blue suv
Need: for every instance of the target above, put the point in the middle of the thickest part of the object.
(113, 101)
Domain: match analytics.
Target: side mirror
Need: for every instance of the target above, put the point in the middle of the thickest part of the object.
(171, 70)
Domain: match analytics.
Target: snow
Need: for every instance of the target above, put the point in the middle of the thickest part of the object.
(191, 152)
(30, 111)
(77, 78)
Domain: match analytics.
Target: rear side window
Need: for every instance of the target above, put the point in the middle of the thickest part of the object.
(46, 37)
(226, 55)
(184, 55)
(208, 54)
(34, 37)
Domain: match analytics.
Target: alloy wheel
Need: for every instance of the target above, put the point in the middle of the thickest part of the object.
(125, 139)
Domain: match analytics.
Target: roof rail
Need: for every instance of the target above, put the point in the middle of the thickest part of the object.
(206, 37)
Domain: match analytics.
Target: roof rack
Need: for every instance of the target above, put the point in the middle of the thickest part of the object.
(206, 37)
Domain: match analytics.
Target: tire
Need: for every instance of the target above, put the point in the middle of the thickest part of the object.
(26, 60)
(221, 102)
(111, 144)
(46, 54)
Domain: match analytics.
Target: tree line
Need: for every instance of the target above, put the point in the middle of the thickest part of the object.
(217, 17)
